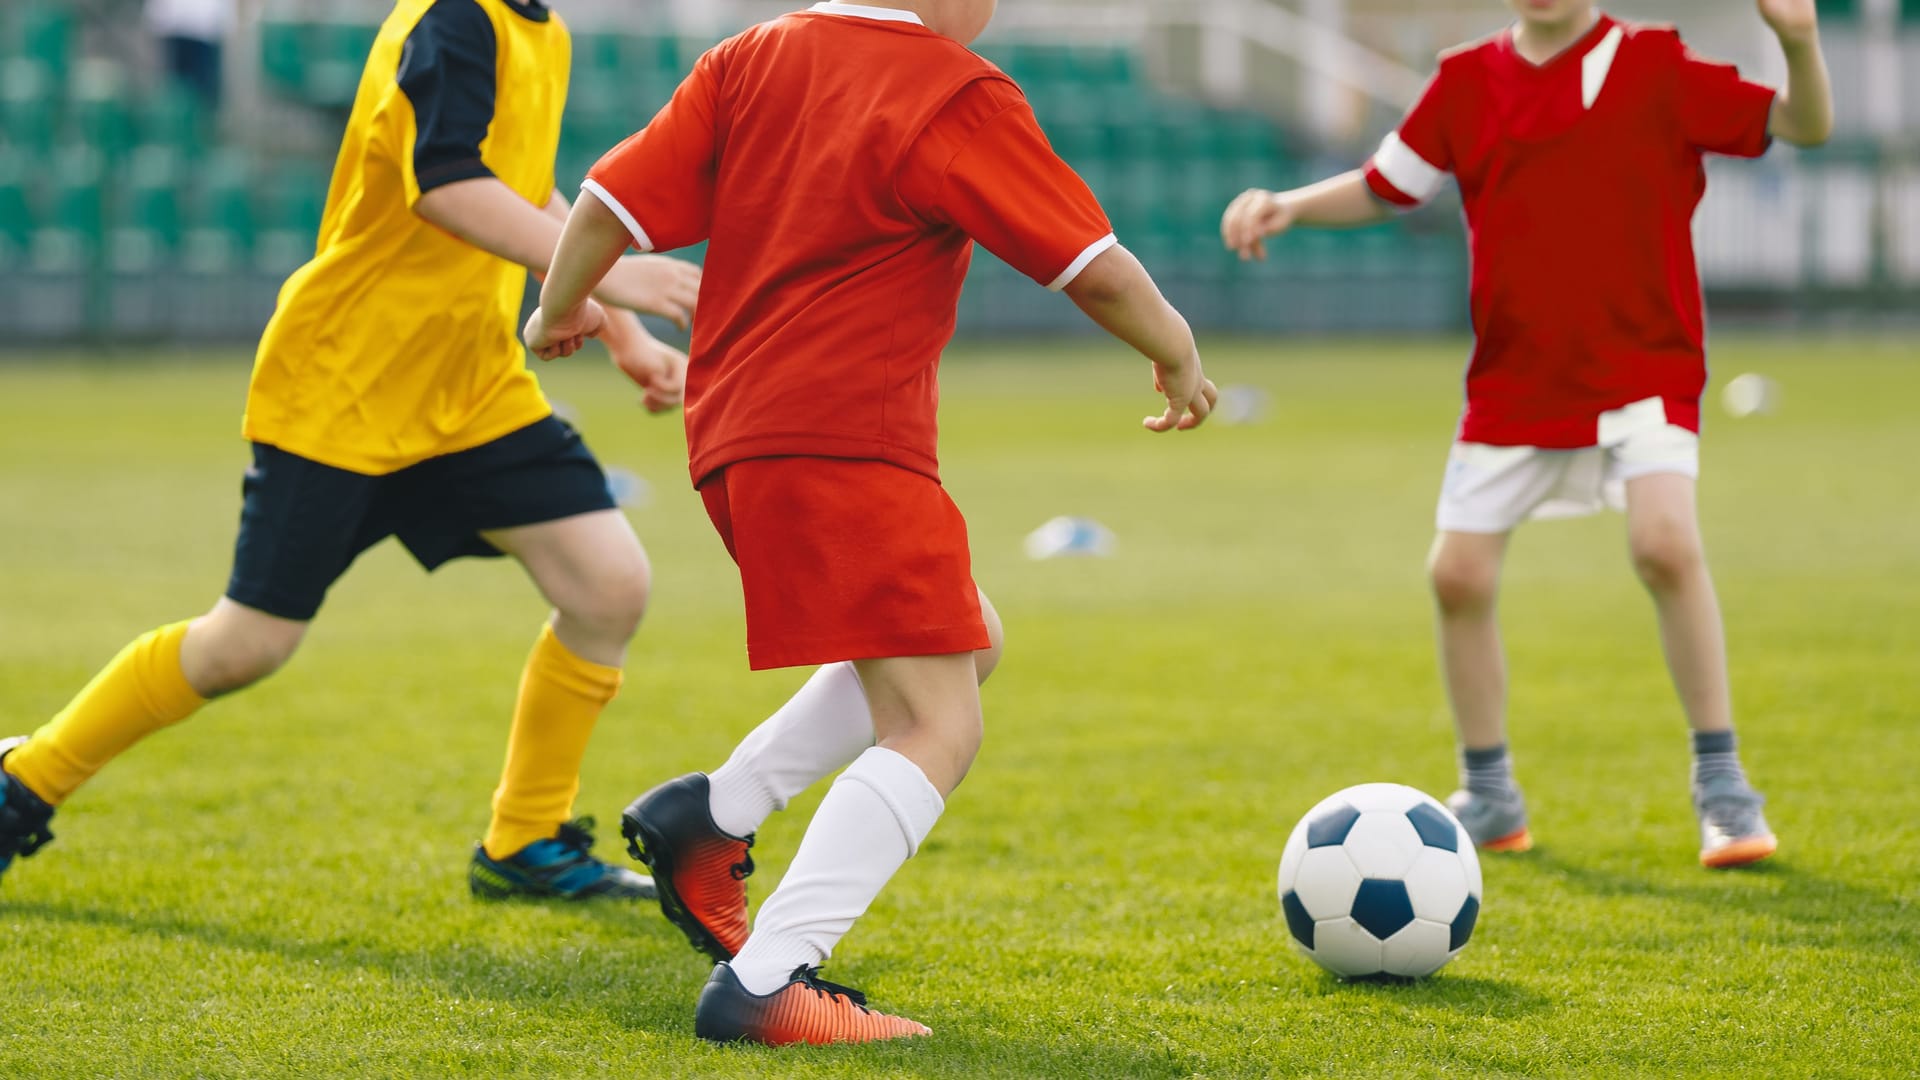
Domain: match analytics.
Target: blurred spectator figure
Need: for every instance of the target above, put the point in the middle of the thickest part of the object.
(191, 33)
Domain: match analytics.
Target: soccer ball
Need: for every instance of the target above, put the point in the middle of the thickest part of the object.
(1380, 880)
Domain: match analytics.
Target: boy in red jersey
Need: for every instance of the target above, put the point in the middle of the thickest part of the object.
(1577, 143)
(841, 162)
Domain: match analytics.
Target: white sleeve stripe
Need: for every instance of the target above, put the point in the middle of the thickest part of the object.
(1073, 268)
(1405, 169)
(640, 238)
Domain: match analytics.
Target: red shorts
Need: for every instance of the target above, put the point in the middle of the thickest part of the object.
(845, 560)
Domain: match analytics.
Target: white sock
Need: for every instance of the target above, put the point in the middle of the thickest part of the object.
(871, 822)
(825, 725)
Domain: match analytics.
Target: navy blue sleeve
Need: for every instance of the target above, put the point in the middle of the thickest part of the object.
(447, 72)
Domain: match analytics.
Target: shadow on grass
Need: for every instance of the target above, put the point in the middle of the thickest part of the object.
(1491, 998)
(1809, 909)
(626, 989)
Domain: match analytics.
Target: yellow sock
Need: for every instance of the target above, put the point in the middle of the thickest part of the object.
(561, 697)
(140, 692)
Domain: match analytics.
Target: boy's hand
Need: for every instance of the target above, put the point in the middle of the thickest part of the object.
(566, 333)
(1190, 396)
(657, 368)
(653, 284)
(1794, 22)
(1258, 214)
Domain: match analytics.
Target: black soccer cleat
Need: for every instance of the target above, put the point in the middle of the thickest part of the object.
(24, 816)
(701, 873)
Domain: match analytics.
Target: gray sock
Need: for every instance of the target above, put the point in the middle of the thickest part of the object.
(1488, 772)
(1715, 756)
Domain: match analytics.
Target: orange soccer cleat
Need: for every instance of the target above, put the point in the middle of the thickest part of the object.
(808, 1009)
(700, 872)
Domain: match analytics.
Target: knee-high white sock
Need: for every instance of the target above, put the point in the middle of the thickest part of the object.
(825, 725)
(871, 822)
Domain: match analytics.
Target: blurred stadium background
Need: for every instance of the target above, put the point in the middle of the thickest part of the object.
(141, 204)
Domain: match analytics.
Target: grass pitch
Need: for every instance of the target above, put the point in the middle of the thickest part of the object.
(276, 888)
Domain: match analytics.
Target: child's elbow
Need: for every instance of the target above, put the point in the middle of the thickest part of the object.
(1106, 280)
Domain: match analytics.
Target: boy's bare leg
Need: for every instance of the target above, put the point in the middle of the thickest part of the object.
(1465, 572)
(1663, 534)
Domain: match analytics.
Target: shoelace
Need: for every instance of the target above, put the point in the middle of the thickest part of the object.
(810, 975)
(577, 835)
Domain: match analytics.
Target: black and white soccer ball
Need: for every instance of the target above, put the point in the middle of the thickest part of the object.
(1380, 880)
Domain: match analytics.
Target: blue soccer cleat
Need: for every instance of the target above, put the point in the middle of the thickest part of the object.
(560, 868)
(23, 815)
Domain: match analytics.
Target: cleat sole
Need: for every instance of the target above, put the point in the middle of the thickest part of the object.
(648, 847)
(1511, 843)
(1743, 852)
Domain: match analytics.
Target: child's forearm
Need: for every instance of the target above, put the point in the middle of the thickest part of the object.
(1341, 202)
(1803, 113)
(1117, 294)
(491, 216)
(592, 240)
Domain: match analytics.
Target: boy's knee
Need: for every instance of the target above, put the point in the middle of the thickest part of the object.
(227, 657)
(1665, 553)
(1463, 583)
(615, 603)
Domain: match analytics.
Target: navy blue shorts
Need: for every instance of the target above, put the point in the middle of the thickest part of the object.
(303, 523)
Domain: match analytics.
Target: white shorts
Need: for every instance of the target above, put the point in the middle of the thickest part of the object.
(1492, 489)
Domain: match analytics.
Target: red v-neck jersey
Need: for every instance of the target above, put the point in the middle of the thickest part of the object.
(1580, 177)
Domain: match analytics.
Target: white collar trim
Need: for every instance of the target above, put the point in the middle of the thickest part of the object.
(863, 11)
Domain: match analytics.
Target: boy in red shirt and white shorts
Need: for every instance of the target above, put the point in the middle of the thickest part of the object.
(840, 162)
(1577, 143)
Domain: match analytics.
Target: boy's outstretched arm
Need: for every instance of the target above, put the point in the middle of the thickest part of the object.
(1803, 112)
(491, 216)
(590, 245)
(1116, 292)
(1258, 214)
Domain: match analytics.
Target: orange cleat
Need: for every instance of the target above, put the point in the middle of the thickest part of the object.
(1733, 830)
(808, 1009)
(1741, 852)
(1512, 842)
(700, 872)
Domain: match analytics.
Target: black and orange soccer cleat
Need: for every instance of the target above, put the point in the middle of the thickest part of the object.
(701, 873)
(808, 1009)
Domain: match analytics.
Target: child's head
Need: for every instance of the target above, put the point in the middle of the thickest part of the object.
(961, 20)
(1550, 12)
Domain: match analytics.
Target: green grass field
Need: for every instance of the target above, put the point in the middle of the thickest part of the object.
(277, 887)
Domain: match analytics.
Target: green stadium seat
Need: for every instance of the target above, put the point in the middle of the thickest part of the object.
(102, 107)
(150, 202)
(16, 206)
(27, 105)
(172, 116)
(47, 34)
(78, 200)
(283, 55)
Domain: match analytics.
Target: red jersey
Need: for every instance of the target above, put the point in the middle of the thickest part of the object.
(1580, 178)
(841, 162)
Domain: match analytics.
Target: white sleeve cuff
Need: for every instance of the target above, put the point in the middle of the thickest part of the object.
(641, 240)
(1405, 169)
(1073, 268)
